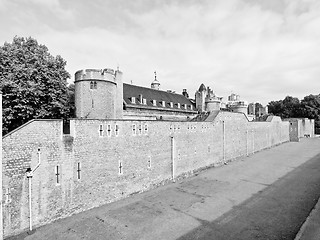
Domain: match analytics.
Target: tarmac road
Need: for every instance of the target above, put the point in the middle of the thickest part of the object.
(264, 196)
(276, 212)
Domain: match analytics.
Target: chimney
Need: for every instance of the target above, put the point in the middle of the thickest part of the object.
(185, 93)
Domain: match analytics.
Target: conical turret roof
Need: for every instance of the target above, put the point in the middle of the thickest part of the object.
(202, 88)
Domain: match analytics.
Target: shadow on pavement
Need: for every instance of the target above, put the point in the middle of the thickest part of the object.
(277, 212)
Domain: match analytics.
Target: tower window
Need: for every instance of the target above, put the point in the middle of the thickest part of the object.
(145, 128)
(100, 130)
(57, 173)
(109, 130)
(78, 170)
(120, 168)
(149, 162)
(93, 85)
(134, 129)
(116, 129)
(140, 129)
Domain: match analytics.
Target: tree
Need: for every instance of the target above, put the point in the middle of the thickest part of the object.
(286, 108)
(276, 108)
(310, 108)
(33, 83)
(290, 107)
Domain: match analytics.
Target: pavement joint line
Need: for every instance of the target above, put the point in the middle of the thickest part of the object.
(263, 184)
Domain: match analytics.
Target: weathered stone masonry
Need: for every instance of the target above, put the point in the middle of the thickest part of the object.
(105, 160)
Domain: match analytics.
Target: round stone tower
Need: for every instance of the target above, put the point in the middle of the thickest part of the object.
(213, 104)
(240, 107)
(98, 94)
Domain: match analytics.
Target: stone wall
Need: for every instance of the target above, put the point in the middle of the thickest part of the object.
(105, 160)
(21, 150)
(300, 127)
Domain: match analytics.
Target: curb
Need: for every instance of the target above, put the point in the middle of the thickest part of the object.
(313, 212)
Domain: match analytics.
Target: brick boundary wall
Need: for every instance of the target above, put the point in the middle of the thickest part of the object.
(102, 161)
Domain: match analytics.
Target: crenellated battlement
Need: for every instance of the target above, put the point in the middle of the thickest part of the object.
(98, 93)
(106, 74)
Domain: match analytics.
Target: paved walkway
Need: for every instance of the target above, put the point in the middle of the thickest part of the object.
(311, 228)
(268, 195)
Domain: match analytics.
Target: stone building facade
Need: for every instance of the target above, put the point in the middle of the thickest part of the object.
(101, 94)
(110, 155)
(206, 100)
(98, 93)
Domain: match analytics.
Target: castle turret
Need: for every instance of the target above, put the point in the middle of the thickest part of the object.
(200, 98)
(155, 84)
(98, 94)
(236, 105)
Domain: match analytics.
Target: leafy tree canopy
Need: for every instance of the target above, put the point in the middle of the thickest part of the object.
(291, 107)
(33, 83)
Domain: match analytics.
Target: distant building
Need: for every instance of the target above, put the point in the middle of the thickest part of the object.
(207, 100)
(235, 104)
(256, 110)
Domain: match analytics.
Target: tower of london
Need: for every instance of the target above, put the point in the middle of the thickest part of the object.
(125, 139)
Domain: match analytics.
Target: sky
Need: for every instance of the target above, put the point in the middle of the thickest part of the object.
(262, 50)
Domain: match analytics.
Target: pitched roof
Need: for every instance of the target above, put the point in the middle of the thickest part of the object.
(202, 88)
(149, 94)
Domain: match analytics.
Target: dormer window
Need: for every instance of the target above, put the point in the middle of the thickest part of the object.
(190, 107)
(171, 104)
(133, 100)
(185, 106)
(178, 105)
(154, 102)
(144, 101)
(93, 85)
(163, 103)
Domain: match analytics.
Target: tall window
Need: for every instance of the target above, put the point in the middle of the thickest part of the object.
(149, 162)
(145, 128)
(57, 173)
(134, 129)
(93, 85)
(116, 129)
(78, 170)
(100, 130)
(120, 168)
(109, 130)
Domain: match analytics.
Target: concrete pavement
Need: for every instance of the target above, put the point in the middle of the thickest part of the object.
(310, 230)
(250, 198)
